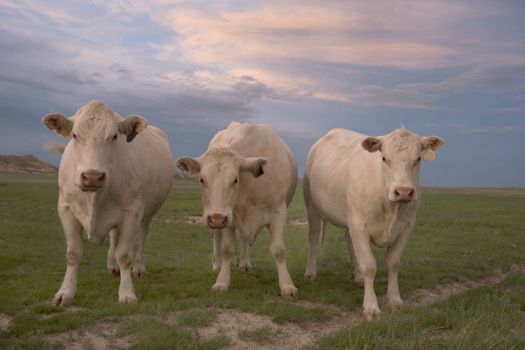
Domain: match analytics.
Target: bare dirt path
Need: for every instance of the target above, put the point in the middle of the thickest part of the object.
(293, 336)
(103, 334)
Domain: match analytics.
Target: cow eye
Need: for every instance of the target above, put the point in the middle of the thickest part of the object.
(114, 137)
(75, 136)
(202, 181)
(384, 159)
(418, 159)
(235, 181)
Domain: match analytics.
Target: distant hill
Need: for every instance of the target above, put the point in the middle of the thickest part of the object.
(25, 164)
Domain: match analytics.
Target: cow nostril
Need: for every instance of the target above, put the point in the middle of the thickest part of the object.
(396, 192)
(102, 177)
(411, 193)
(217, 220)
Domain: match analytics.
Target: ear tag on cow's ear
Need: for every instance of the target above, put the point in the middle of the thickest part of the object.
(131, 135)
(429, 154)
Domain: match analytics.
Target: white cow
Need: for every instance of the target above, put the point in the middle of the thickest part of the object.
(370, 186)
(248, 177)
(114, 175)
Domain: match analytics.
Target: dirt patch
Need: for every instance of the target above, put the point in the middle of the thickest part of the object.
(193, 220)
(297, 222)
(293, 336)
(101, 336)
(427, 296)
(283, 336)
(287, 336)
(5, 320)
(197, 220)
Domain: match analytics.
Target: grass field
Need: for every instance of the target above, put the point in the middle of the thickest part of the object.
(462, 236)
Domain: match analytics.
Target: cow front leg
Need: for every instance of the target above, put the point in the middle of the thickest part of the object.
(216, 255)
(357, 274)
(112, 264)
(278, 252)
(138, 269)
(367, 268)
(75, 251)
(244, 255)
(129, 232)
(227, 251)
(393, 262)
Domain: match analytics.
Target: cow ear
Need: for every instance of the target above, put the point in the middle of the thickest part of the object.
(430, 145)
(188, 166)
(59, 123)
(372, 144)
(254, 165)
(132, 125)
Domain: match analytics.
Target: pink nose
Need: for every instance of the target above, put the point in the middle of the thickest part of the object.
(217, 221)
(91, 180)
(404, 193)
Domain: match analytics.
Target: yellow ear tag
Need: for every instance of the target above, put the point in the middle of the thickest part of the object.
(429, 154)
(63, 132)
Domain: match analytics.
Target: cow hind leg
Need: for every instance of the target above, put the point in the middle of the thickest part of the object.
(112, 264)
(358, 279)
(75, 251)
(315, 229)
(245, 264)
(227, 251)
(277, 250)
(216, 255)
(138, 269)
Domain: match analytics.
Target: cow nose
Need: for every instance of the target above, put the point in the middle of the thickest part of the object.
(217, 221)
(92, 179)
(404, 193)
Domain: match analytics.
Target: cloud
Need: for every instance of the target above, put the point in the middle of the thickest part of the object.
(520, 110)
(504, 130)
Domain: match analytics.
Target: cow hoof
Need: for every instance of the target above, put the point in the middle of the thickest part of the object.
(128, 299)
(245, 267)
(138, 270)
(396, 305)
(289, 292)
(114, 271)
(371, 313)
(62, 299)
(220, 288)
(309, 277)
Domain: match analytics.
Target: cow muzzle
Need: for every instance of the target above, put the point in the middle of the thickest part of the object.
(404, 194)
(217, 221)
(91, 180)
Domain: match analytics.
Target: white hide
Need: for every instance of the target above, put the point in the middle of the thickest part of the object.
(138, 177)
(248, 178)
(370, 186)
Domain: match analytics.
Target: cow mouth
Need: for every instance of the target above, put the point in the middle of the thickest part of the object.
(217, 227)
(89, 188)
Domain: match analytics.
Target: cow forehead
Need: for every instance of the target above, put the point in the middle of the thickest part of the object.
(96, 119)
(402, 142)
(221, 161)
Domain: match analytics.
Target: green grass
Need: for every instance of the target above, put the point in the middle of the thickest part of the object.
(482, 318)
(260, 335)
(460, 233)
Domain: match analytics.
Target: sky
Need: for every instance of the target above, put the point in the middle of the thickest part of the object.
(455, 69)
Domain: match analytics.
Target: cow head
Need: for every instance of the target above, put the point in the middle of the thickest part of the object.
(97, 133)
(401, 153)
(220, 171)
